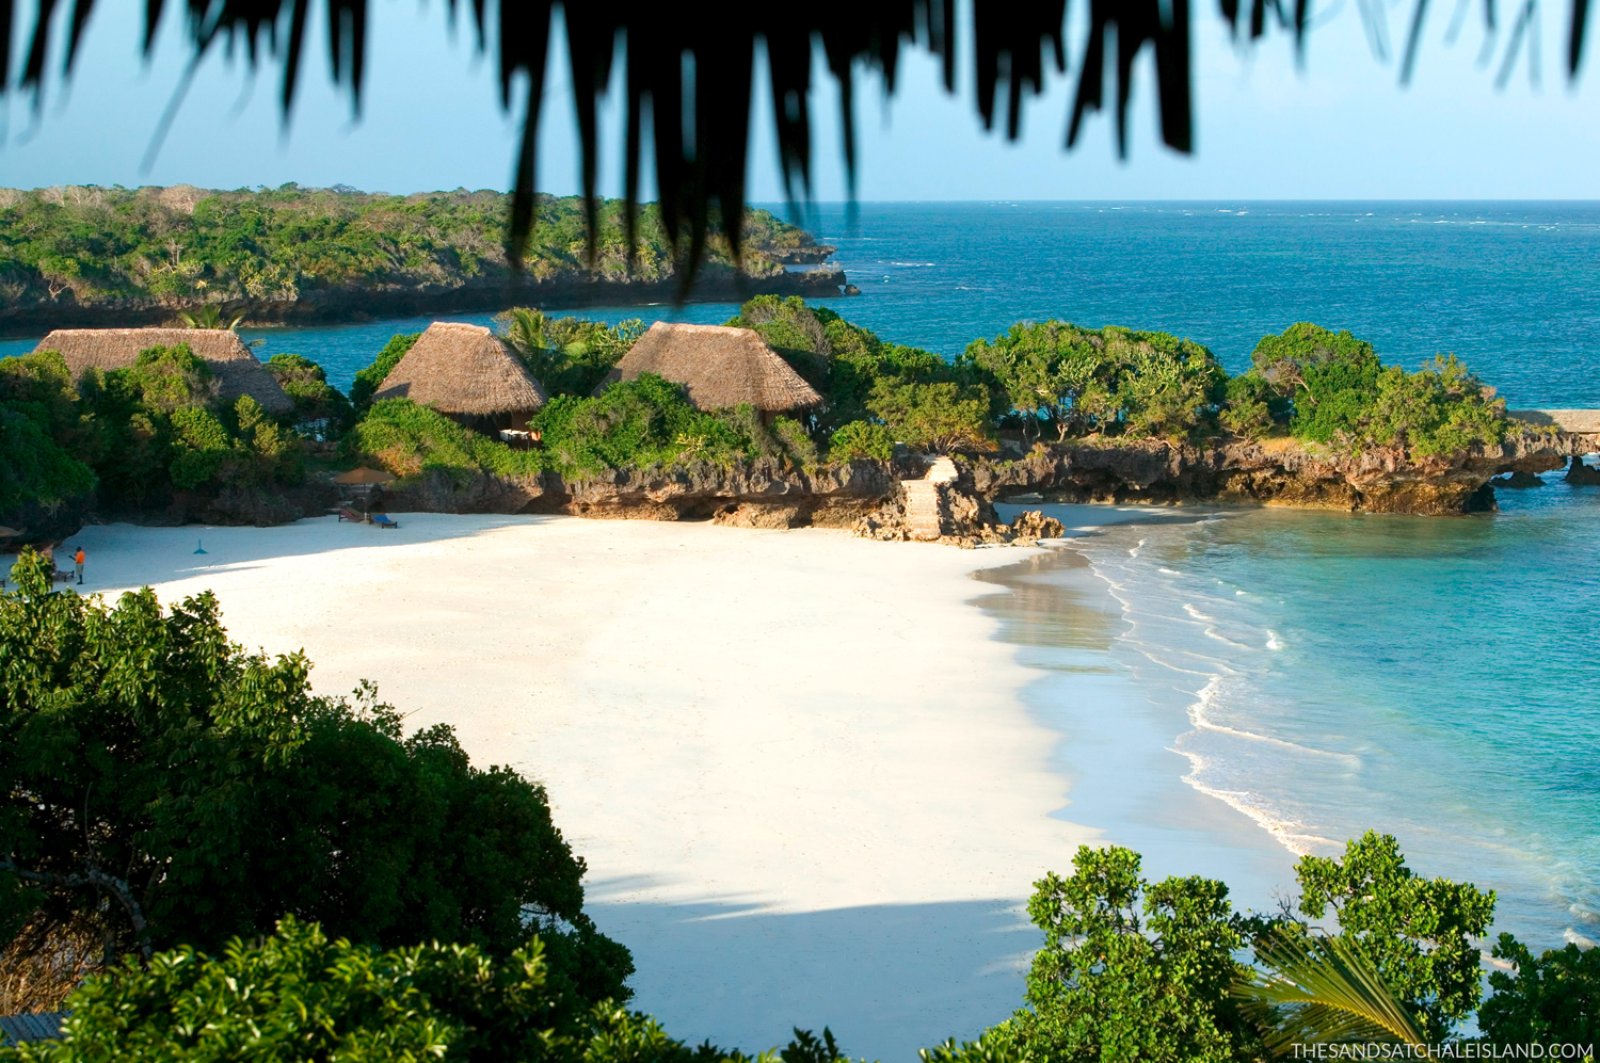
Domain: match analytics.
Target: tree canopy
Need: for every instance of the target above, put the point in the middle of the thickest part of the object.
(160, 786)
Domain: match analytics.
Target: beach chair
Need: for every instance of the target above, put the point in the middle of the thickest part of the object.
(382, 520)
(346, 513)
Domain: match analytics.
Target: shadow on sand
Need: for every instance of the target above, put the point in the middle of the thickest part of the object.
(886, 978)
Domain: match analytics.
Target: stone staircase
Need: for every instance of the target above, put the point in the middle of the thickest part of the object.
(924, 519)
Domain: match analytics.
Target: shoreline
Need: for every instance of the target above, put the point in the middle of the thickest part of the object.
(1230, 643)
(1129, 777)
(796, 762)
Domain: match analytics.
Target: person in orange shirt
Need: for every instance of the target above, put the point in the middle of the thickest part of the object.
(78, 559)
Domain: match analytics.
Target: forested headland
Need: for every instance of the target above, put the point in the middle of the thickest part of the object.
(1085, 414)
(114, 256)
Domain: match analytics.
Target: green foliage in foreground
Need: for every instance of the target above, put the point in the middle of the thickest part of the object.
(1315, 989)
(1137, 971)
(1549, 999)
(1419, 932)
(297, 996)
(1130, 970)
(159, 786)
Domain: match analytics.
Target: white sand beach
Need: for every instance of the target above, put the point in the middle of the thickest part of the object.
(795, 762)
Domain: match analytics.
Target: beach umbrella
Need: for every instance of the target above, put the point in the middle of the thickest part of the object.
(364, 475)
(8, 533)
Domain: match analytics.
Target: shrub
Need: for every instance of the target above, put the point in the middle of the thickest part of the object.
(1418, 932)
(636, 424)
(407, 439)
(1129, 970)
(307, 387)
(1247, 409)
(795, 442)
(370, 379)
(861, 439)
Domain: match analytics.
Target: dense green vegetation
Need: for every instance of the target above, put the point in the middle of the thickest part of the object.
(162, 787)
(1114, 380)
(298, 996)
(307, 386)
(371, 377)
(1327, 390)
(138, 438)
(147, 762)
(641, 424)
(1330, 388)
(188, 247)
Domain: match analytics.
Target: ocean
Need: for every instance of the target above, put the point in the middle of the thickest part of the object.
(1314, 674)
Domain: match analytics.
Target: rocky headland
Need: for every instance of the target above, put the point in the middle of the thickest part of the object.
(879, 498)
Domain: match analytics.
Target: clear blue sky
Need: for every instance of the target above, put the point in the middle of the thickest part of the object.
(1339, 129)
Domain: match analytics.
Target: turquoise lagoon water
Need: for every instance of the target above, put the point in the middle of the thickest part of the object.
(1324, 674)
(1438, 679)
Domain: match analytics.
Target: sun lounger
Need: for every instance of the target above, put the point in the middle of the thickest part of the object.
(351, 515)
(382, 520)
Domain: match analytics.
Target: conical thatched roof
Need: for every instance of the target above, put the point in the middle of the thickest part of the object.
(718, 367)
(464, 370)
(236, 370)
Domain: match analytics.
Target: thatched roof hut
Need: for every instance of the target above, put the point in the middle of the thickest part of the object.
(235, 369)
(718, 367)
(466, 372)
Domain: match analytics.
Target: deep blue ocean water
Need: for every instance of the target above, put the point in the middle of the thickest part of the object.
(1438, 679)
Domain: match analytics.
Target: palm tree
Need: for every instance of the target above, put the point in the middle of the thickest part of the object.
(524, 330)
(1316, 989)
(209, 316)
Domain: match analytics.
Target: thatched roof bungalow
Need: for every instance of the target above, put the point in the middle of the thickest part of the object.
(718, 367)
(235, 368)
(468, 373)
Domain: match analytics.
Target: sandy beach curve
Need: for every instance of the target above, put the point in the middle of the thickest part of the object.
(795, 762)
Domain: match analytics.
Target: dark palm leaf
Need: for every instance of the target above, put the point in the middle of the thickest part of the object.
(687, 73)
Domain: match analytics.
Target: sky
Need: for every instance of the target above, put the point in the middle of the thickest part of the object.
(1341, 128)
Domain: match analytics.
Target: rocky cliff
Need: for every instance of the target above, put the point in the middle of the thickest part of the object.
(1275, 472)
(760, 494)
(875, 499)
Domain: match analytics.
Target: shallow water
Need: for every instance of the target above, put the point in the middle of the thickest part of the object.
(1324, 674)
